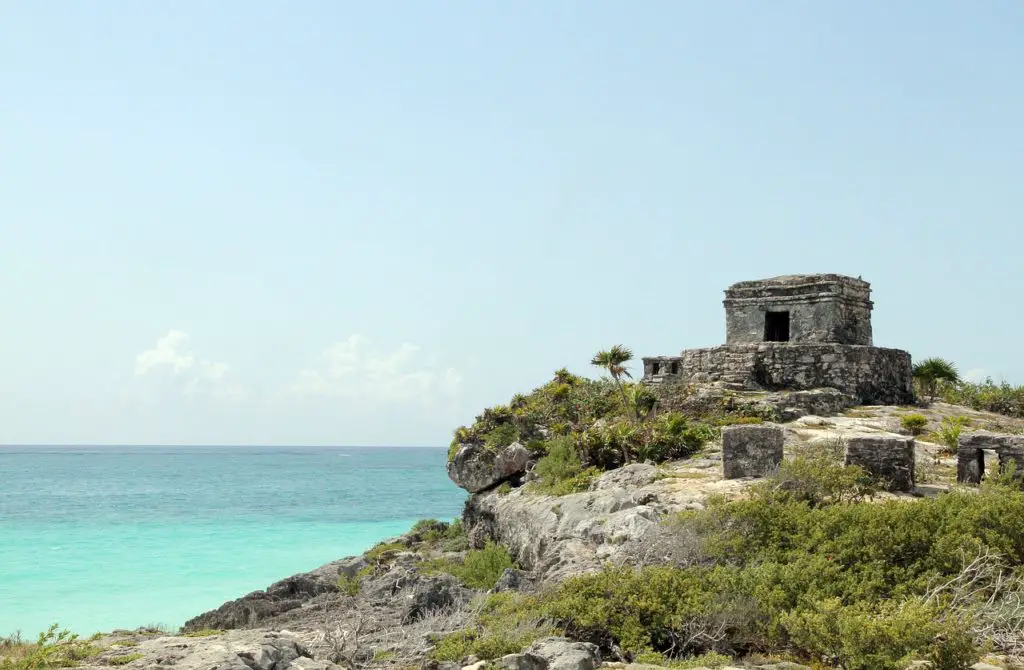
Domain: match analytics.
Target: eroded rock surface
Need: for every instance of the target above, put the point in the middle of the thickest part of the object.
(477, 468)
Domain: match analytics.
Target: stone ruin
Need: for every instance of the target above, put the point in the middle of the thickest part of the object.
(796, 332)
(970, 455)
(889, 458)
(751, 451)
(756, 451)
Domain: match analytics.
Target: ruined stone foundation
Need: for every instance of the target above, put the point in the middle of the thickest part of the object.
(873, 375)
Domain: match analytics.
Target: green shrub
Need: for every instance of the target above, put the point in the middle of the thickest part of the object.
(504, 489)
(560, 472)
(817, 476)
(440, 534)
(52, 649)
(913, 423)
(124, 660)
(669, 436)
(886, 636)
(501, 436)
(484, 645)
(479, 569)
(988, 396)
(385, 552)
(350, 586)
(482, 567)
(507, 623)
(950, 430)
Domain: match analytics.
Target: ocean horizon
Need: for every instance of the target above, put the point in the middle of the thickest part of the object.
(97, 537)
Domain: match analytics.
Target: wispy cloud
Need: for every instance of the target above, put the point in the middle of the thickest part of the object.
(172, 356)
(355, 370)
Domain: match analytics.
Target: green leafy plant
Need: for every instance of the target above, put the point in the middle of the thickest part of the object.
(124, 660)
(53, 648)
(1002, 398)
(350, 586)
(913, 423)
(561, 471)
(930, 372)
(950, 430)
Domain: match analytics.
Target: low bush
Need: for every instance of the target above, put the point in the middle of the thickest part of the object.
(53, 648)
(385, 552)
(479, 569)
(913, 423)
(440, 535)
(950, 430)
(816, 476)
(350, 586)
(507, 623)
(988, 396)
(886, 636)
(482, 568)
(124, 660)
(561, 472)
(669, 436)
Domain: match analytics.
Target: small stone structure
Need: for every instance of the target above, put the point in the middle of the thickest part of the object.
(890, 458)
(970, 455)
(751, 450)
(796, 332)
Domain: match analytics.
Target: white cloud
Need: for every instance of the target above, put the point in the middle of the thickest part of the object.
(354, 370)
(171, 356)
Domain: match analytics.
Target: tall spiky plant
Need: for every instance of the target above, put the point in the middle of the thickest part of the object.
(929, 372)
(613, 360)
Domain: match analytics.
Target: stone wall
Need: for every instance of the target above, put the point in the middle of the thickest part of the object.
(889, 458)
(751, 451)
(970, 457)
(822, 309)
(872, 375)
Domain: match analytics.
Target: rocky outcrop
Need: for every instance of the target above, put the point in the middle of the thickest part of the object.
(555, 537)
(554, 653)
(278, 598)
(432, 594)
(235, 650)
(478, 468)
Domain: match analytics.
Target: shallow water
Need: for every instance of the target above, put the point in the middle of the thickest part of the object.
(97, 538)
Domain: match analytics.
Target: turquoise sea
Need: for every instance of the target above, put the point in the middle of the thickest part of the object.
(96, 538)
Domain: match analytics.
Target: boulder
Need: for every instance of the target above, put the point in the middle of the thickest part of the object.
(525, 661)
(477, 468)
(350, 567)
(432, 594)
(753, 450)
(562, 654)
(510, 580)
(888, 457)
(631, 476)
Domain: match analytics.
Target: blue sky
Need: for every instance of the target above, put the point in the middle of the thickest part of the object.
(359, 223)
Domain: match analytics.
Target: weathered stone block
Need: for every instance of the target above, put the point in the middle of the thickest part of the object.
(889, 458)
(751, 451)
(799, 309)
(970, 456)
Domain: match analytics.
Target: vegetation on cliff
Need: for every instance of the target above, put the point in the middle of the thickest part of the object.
(578, 427)
(808, 566)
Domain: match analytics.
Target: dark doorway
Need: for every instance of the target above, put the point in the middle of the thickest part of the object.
(776, 327)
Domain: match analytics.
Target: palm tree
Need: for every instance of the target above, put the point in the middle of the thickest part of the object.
(931, 371)
(613, 361)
